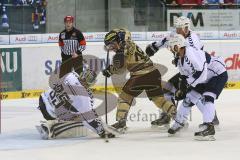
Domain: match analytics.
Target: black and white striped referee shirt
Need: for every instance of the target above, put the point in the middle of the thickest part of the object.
(71, 41)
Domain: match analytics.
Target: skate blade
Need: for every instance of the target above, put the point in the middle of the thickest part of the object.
(206, 138)
(42, 133)
(164, 127)
(115, 131)
(177, 134)
(122, 130)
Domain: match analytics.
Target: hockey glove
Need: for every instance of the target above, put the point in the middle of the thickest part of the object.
(175, 61)
(179, 95)
(164, 40)
(151, 49)
(106, 72)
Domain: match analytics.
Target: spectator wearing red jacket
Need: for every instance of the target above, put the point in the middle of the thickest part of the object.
(189, 3)
(229, 4)
(181, 2)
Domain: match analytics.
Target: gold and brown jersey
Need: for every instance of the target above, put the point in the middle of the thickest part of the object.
(132, 58)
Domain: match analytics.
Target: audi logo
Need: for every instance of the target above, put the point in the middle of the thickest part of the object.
(32, 38)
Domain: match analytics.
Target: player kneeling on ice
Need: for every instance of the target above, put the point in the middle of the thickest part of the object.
(68, 108)
(206, 76)
(144, 76)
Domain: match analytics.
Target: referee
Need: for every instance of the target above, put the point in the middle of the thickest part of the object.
(71, 43)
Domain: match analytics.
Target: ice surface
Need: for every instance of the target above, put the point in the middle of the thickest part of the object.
(20, 141)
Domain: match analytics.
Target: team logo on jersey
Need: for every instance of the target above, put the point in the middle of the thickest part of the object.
(63, 35)
(74, 35)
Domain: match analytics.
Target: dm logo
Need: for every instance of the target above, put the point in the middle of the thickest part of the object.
(195, 17)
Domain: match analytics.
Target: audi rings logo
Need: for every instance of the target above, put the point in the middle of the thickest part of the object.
(207, 35)
(32, 38)
(100, 36)
(137, 36)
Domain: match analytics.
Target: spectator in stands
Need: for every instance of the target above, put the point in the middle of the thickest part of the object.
(230, 2)
(171, 4)
(236, 1)
(213, 4)
(189, 3)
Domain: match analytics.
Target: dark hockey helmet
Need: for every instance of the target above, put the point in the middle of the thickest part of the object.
(115, 35)
(111, 37)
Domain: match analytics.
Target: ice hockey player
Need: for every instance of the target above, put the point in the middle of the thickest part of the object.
(176, 86)
(182, 26)
(206, 77)
(143, 75)
(68, 108)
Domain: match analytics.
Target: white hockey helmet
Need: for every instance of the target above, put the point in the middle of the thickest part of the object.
(176, 40)
(182, 22)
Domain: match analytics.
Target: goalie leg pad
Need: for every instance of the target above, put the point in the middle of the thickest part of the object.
(54, 129)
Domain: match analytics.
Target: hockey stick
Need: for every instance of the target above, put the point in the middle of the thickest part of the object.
(190, 118)
(179, 86)
(106, 104)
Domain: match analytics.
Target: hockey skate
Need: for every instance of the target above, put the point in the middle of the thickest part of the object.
(206, 133)
(120, 126)
(176, 127)
(215, 122)
(163, 123)
(107, 134)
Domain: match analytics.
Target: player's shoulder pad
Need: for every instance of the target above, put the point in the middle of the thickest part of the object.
(194, 35)
(191, 51)
(130, 48)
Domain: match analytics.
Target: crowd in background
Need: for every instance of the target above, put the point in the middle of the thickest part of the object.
(31, 14)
